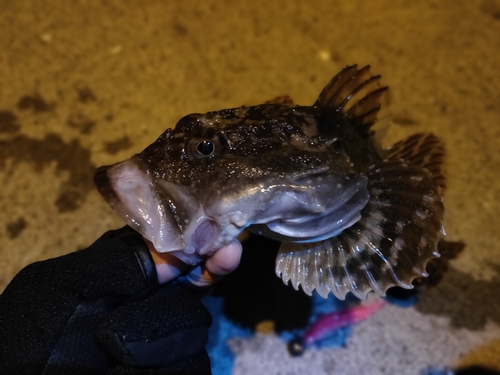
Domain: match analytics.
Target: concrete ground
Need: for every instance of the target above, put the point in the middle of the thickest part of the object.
(87, 83)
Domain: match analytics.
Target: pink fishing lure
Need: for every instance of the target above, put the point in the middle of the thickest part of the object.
(337, 319)
(327, 323)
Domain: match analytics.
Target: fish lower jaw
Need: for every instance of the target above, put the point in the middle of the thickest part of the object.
(202, 238)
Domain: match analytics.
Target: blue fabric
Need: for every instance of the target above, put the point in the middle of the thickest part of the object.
(222, 330)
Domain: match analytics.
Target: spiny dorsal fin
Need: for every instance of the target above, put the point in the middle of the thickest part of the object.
(424, 150)
(356, 93)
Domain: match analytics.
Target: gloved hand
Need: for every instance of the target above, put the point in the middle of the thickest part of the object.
(117, 307)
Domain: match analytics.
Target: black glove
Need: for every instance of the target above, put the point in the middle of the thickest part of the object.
(101, 311)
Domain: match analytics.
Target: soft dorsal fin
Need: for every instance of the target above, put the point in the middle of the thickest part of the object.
(424, 150)
(356, 93)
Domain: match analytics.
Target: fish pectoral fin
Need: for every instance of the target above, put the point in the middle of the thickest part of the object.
(390, 245)
(424, 150)
(355, 93)
(319, 265)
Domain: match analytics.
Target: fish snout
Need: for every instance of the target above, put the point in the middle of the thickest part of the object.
(130, 191)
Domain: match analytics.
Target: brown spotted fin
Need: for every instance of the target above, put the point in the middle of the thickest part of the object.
(396, 236)
(424, 150)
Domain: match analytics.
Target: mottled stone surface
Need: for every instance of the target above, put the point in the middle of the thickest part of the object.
(87, 83)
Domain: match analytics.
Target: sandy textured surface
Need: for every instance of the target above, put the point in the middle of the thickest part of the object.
(86, 83)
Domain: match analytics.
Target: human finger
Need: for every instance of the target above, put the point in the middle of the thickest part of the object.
(168, 267)
(222, 262)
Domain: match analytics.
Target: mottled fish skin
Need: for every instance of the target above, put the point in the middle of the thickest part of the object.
(350, 218)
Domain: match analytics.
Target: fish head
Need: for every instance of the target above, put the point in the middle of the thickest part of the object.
(200, 184)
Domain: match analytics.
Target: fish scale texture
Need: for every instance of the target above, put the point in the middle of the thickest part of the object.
(84, 84)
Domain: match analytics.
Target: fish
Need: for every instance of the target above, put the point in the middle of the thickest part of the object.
(350, 215)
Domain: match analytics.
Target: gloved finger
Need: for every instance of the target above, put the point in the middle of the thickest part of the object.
(222, 262)
(166, 328)
(196, 365)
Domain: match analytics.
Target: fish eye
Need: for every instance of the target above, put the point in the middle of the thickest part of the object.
(205, 148)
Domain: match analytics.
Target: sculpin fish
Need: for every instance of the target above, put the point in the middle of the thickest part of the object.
(351, 217)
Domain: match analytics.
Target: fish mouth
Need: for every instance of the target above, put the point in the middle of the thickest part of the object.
(134, 196)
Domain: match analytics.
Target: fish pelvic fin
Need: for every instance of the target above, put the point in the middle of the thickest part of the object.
(389, 246)
(426, 151)
(357, 94)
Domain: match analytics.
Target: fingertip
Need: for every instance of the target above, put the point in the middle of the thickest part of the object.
(222, 262)
(225, 260)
